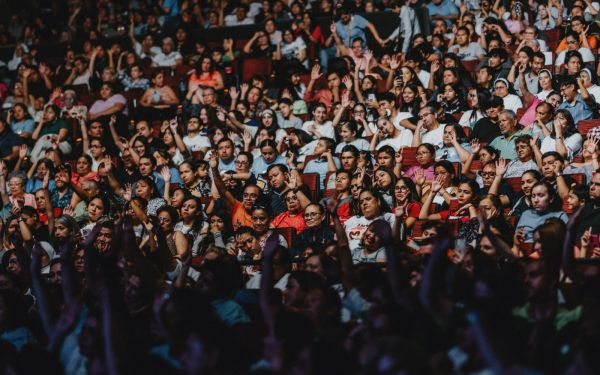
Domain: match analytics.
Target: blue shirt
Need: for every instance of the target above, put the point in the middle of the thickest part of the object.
(225, 166)
(354, 29)
(579, 109)
(321, 167)
(532, 219)
(27, 126)
(34, 184)
(445, 8)
(260, 165)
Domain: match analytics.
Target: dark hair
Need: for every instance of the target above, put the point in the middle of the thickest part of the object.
(351, 148)
(570, 129)
(414, 194)
(150, 182)
(329, 143)
(448, 167)
(555, 154)
(461, 137)
(555, 200)
(375, 193)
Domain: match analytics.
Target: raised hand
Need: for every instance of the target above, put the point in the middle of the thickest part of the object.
(585, 238)
(399, 156)
(23, 150)
(165, 173)
(107, 164)
(46, 180)
(347, 81)
(173, 126)
(127, 193)
(475, 146)
(3, 169)
(293, 183)
(315, 73)
(67, 211)
(368, 55)
(244, 89)
(501, 166)
(234, 94)
(519, 237)
(420, 176)
(214, 160)
(437, 184)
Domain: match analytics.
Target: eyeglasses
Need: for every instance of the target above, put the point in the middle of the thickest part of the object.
(310, 215)
(355, 186)
(424, 115)
(401, 188)
(291, 198)
(241, 162)
(521, 147)
(488, 174)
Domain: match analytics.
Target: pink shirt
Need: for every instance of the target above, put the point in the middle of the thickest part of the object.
(29, 200)
(102, 105)
(428, 172)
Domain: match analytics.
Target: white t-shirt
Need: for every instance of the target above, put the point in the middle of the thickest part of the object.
(595, 91)
(469, 53)
(357, 225)
(573, 144)
(326, 129)
(196, 143)
(232, 20)
(424, 77)
(434, 137)
(167, 60)
(586, 53)
(360, 143)
(512, 102)
(404, 140)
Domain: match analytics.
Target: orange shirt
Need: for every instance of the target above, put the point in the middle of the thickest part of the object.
(239, 216)
(562, 46)
(284, 220)
(205, 79)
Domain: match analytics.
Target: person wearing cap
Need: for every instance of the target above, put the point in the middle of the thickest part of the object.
(168, 57)
(496, 59)
(502, 90)
(505, 143)
(487, 129)
(581, 105)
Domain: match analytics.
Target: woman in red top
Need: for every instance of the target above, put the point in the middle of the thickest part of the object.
(465, 197)
(406, 201)
(294, 216)
(343, 197)
(206, 75)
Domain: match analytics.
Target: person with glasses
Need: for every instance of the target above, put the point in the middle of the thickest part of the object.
(564, 138)
(505, 143)
(428, 130)
(406, 201)
(317, 232)
(296, 200)
(528, 157)
(579, 31)
(425, 156)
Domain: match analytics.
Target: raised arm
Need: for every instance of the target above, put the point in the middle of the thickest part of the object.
(223, 192)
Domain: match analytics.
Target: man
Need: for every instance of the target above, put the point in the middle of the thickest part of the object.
(496, 59)
(33, 225)
(387, 106)
(552, 167)
(328, 95)
(240, 17)
(505, 143)
(443, 10)
(428, 129)
(464, 48)
(532, 71)
(168, 57)
(581, 105)
(241, 212)
(349, 27)
(96, 150)
(285, 116)
(280, 184)
(487, 128)
(485, 76)
(62, 193)
(104, 239)
(325, 162)
(225, 149)
(143, 128)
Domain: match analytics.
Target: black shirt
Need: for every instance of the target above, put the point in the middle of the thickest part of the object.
(485, 130)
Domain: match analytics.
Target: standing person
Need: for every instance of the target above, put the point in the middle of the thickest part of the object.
(408, 27)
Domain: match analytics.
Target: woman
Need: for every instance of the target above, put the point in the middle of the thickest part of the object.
(372, 207)
(564, 137)
(320, 126)
(176, 241)
(389, 135)
(65, 229)
(545, 84)
(523, 199)
(258, 46)
(291, 52)
(589, 82)
(110, 103)
(50, 130)
(191, 223)
(270, 28)
(545, 19)
(174, 144)
(384, 181)
(407, 204)
(191, 180)
(83, 169)
(485, 154)
(502, 90)
(20, 121)
(447, 175)
(16, 186)
(261, 223)
(372, 249)
(545, 204)
(474, 113)
(308, 30)
(159, 98)
(145, 188)
(348, 136)
(466, 196)
(132, 78)
(316, 234)
(268, 120)
(589, 164)
(96, 209)
(451, 99)
(206, 75)
(269, 156)
(526, 157)
(413, 99)
(455, 147)
(294, 216)
(425, 159)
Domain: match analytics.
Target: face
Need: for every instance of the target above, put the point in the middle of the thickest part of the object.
(464, 194)
(159, 80)
(485, 245)
(447, 177)
(249, 197)
(342, 182)
(346, 134)
(401, 191)
(594, 190)
(320, 115)
(104, 240)
(15, 185)
(348, 161)
(61, 231)
(537, 64)
(448, 77)
(524, 152)
(371, 240)
(246, 243)
(142, 128)
(495, 61)
(573, 65)
(321, 147)
(277, 179)
(385, 160)
(96, 149)
(382, 179)
(79, 261)
(487, 208)
(268, 153)
(225, 150)
(253, 95)
(177, 199)
(540, 199)
(424, 156)
(369, 205)
(408, 95)
(189, 210)
(507, 124)
(40, 199)
(55, 275)
(313, 216)
(535, 281)
(14, 266)
(449, 133)
(187, 174)
(487, 175)
(146, 167)
(49, 115)
(292, 201)
(550, 165)
(143, 190)
(500, 89)
(428, 117)
(260, 220)
(95, 209)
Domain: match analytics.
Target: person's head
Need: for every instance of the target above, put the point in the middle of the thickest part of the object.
(191, 209)
(425, 154)
(488, 153)
(65, 227)
(286, 107)
(385, 156)
(445, 169)
(528, 180)
(371, 203)
(243, 162)
(142, 128)
(319, 113)
(594, 189)
(484, 76)
(573, 62)
(577, 197)
(146, 188)
(508, 122)
(277, 176)
(51, 113)
(187, 173)
(488, 173)
(96, 208)
(552, 162)
(349, 158)
(467, 192)
(523, 147)
(493, 107)
(106, 90)
(158, 79)
(568, 89)
(342, 181)
(497, 57)
(16, 184)
(250, 195)
(384, 179)
(104, 240)
(501, 88)
(386, 127)
(450, 76)
(97, 149)
(314, 215)
(324, 145)
(545, 79)
(543, 196)
(167, 218)
(428, 115)
(268, 150)
(348, 131)
(453, 131)
(225, 148)
(490, 206)
(261, 219)
(564, 119)
(462, 36)
(147, 165)
(554, 98)
(405, 191)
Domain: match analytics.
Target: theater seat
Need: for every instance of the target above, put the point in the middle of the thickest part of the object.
(252, 67)
(311, 180)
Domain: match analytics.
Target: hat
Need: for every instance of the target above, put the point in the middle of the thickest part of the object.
(493, 102)
(267, 112)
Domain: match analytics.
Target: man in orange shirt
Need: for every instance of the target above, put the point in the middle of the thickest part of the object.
(241, 212)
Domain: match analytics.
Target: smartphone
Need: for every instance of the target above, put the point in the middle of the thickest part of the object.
(371, 97)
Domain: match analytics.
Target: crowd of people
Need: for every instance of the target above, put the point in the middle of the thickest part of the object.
(404, 202)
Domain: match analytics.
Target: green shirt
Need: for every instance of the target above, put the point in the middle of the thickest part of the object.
(506, 146)
(53, 127)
